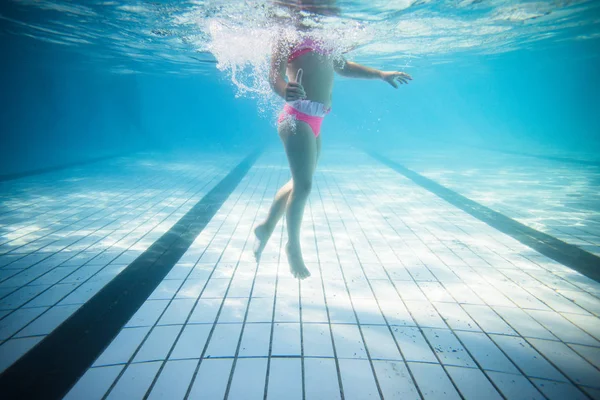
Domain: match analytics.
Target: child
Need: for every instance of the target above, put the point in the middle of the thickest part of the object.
(308, 97)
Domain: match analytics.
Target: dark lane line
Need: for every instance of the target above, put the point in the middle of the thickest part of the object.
(17, 175)
(567, 254)
(50, 369)
(591, 163)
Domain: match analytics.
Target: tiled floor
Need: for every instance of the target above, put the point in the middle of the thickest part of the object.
(409, 298)
(558, 198)
(64, 235)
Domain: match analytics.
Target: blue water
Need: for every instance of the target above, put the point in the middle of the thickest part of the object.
(86, 79)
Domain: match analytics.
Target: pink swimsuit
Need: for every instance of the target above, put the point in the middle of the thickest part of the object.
(310, 112)
(307, 111)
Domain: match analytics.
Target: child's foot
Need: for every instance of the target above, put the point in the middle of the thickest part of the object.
(262, 236)
(297, 267)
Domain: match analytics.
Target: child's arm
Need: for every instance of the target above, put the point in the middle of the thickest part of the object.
(288, 90)
(353, 70)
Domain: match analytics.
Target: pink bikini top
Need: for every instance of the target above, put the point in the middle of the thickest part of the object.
(306, 46)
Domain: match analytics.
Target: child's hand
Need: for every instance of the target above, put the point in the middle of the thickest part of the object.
(294, 91)
(392, 77)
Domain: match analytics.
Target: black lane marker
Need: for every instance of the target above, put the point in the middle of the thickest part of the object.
(591, 163)
(51, 368)
(567, 254)
(17, 175)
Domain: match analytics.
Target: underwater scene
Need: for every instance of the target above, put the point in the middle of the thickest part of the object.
(300, 199)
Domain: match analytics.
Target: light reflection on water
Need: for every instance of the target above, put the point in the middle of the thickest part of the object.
(182, 37)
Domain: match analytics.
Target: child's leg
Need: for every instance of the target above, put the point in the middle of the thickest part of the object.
(264, 230)
(301, 150)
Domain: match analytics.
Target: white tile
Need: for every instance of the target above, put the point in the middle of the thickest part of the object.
(488, 320)
(409, 290)
(490, 295)
(374, 271)
(396, 313)
(264, 285)
(234, 310)
(21, 296)
(562, 328)
(380, 343)
(82, 274)
(158, 344)
(347, 341)
(435, 292)
(48, 321)
(287, 309)
(248, 382)
(526, 358)
(568, 362)
(191, 289)
(177, 312)
(224, 340)
(413, 345)
(320, 379)
(523, 298)
(591, 354)
(559, 390)
(166, 290)
(555, 300)
(135, 381)
(287, 287)
(456, 317)
(585, 300)
(215, 288)
(241, 285)
(13, 349)
(174, 380)
(589, 323)
(395, 380)
(285, 379)
(211, 380)
(94, 383)
(317, 340)
(340, 310)
(205, 311)
(433, 381)
(462, 293)
(515, 386)
(17, 320)
(255, 340)
(447, 347)
(359, 288)
(425, 314)
(191, 342)
(358, 381)
(260, 310)
(148, 313)
(314, 309)
(473, 384)
(123, 346)
(367, 311)
(523, 323)
(286, 339)
(486, 352)
(180, 271)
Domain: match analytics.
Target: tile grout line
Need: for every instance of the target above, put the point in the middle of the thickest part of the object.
(73, 272)
(55, 379)
(458, 339)
(358, 324)
(244, 322)
(569, 255)
(499, 348)
(337, 365)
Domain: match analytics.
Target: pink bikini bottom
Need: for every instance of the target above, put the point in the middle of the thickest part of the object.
(307, 111)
